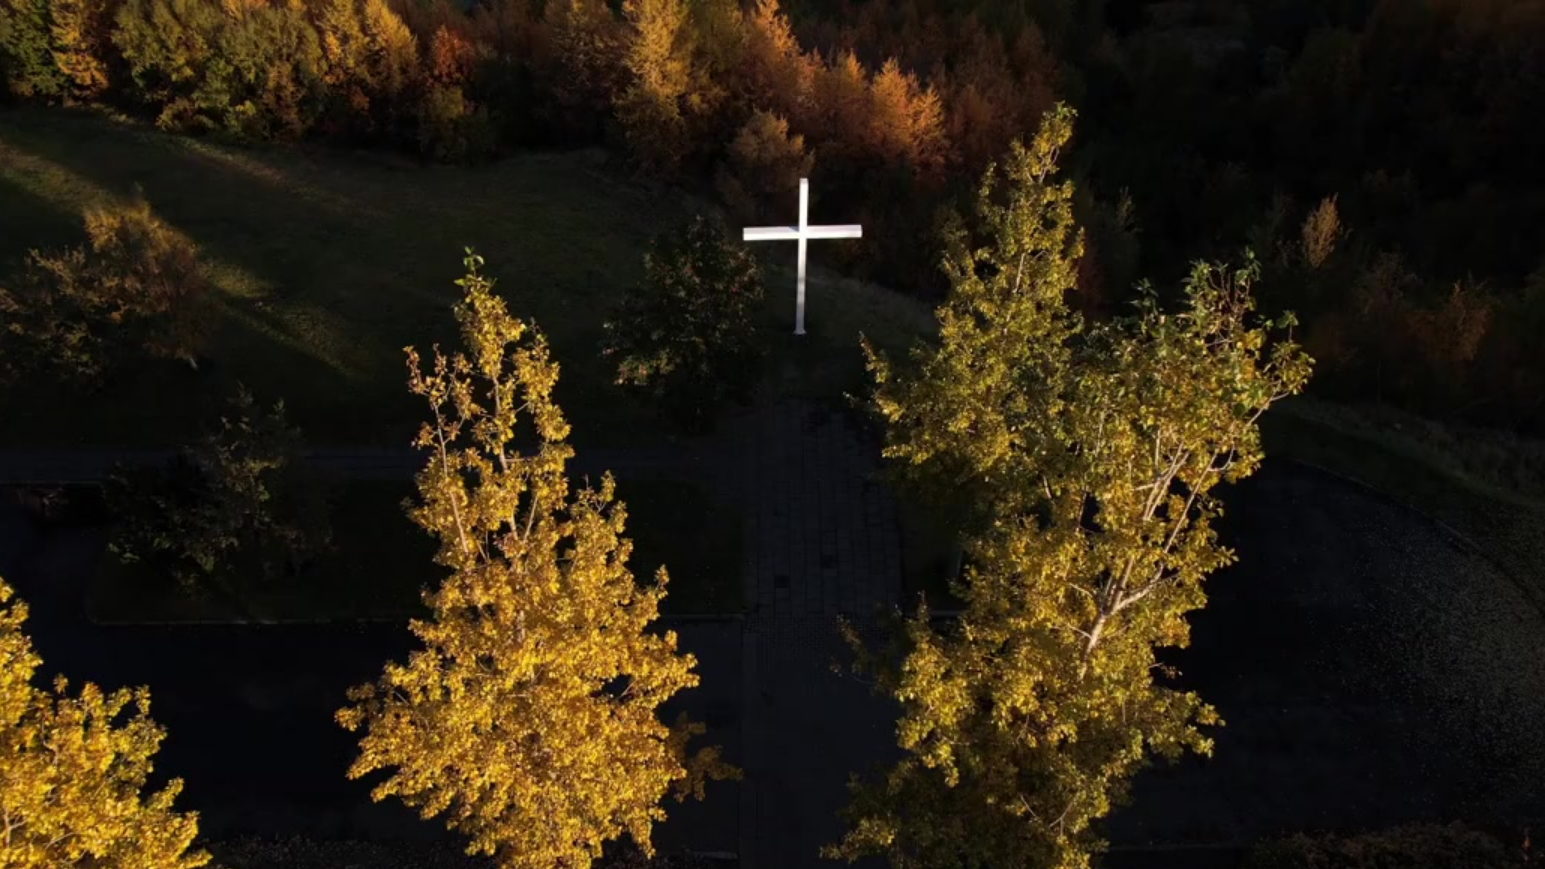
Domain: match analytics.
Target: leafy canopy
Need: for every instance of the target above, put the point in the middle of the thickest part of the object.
(72, 771)
(1084, 455)
(529, 717)
(136, 283)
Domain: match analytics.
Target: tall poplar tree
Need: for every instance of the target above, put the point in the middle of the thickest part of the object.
(529, 719)
(1086, 455)
(73, 771)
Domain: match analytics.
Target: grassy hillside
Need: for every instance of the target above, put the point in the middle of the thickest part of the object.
(328, 263)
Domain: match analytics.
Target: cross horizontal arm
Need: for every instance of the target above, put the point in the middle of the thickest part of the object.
(845, 230)
(770, 233)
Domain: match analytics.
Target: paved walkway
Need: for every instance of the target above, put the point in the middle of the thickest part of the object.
(822, 543)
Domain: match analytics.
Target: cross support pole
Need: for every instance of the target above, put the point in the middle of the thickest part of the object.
(802, 234)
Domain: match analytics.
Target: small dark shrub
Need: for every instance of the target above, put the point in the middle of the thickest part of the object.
(235, 508)
(687, 338)
(1413, 846)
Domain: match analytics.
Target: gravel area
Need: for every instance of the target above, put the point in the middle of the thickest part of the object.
(1370, 669)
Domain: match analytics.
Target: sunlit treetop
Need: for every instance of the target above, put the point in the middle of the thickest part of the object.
(529, 718)
(1082, 456)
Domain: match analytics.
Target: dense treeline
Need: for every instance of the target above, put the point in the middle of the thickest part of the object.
(1381, 157)
(692, 88)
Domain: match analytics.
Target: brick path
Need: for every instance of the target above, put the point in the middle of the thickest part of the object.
(822, 541)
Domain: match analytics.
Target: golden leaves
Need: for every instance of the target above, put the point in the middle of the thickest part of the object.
(72, 772)
(529, 719)
(1080, 457)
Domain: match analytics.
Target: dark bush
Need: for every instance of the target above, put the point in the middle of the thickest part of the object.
(687, 338)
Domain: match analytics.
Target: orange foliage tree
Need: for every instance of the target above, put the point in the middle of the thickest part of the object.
(659, 64)
(776, 74)
(451, 127)
(764, 163)
(81, 31)
(371, 64)
(906, 121)
(584, 67)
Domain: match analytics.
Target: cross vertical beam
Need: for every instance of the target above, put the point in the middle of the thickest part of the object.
(804, 240)
(801, 233)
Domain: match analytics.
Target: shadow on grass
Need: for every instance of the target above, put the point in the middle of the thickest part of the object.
(379, 564)
(31, 222)
(347, 258)
(697, 539)
(158, 403)
(350, 260)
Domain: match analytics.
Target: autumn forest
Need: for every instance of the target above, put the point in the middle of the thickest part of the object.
(388, 392)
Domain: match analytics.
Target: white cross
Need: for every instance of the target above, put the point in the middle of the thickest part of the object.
(802, 233)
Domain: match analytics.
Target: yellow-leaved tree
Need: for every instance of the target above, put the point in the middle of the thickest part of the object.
(81, 42)
(653, 107)
(370, 62)
(72, 772)
(529, 719)
(1084, 455)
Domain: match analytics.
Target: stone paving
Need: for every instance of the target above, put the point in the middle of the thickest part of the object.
(823, 542)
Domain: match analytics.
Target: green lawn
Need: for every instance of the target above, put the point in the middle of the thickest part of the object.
(381, 561)
(328, 263)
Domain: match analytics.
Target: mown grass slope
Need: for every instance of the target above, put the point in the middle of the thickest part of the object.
(328, 263)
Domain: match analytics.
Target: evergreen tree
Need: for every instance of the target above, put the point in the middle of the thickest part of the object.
(80, 31)
(659, 64)
(26, 51)
(371, 64)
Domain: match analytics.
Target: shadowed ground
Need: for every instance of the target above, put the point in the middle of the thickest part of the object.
(1370, 671)
(328, 263)
(248, 709)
